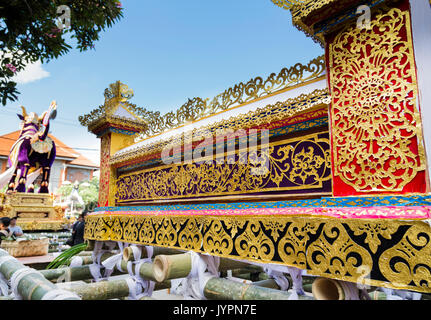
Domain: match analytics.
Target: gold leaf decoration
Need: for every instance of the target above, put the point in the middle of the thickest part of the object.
(197, 108)
(395, 254)
(375, 119)
(299, 163)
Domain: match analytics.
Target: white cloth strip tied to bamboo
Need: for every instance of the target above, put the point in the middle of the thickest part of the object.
(213, 263)
(114, 261)
(76, 261)
(392, 294)
(296, 275)
(350, 290)
(279, 278)
(96, 256)
(95, 266)
(193, 286)
(4, 286)
(277, 273)
(4, 283)
(142, 287)
(59, 294)
(17, 277)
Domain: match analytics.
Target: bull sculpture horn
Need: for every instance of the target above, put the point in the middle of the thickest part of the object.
(24, 112)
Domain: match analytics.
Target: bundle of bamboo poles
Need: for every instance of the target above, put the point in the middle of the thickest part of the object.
(31, 286)
(168, 264)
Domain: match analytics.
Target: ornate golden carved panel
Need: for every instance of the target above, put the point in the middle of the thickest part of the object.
(390, 253)
(295, 164)
(268, 114)
(198, 108)
(35, 211)
(376, 125)
(105, 174)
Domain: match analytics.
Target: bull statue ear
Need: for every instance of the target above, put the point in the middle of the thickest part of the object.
(20, 117)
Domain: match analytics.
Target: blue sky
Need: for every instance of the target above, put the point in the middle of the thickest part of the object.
(166, 51)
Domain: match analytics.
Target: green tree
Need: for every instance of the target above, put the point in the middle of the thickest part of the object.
(88, 190)
(30, 31)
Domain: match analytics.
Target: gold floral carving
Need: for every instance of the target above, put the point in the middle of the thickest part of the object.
(254, 243)
(373, 231)
(299, 163)
(105, 174)
(146, 229)
(217, 239)
(191, 236)
(408, 263)
(197, 108)
(292, 247)
(287, 4)
(394, 254)
(334, 253)
(268, 114)
(117, 229)
(375, 118)
(304, 8)
(129, 230)
(166, 233)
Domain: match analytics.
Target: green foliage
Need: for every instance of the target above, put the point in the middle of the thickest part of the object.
(29, 32)
(65, 190)
(90, 193)
(64, 258)
(88, 190)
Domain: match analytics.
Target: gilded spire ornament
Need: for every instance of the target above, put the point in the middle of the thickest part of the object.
(118, 91)
(287, 4)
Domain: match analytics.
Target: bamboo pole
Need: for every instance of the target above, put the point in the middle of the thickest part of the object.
(223, 289)
(89, 259)
(85, 253)
(85, 260)
(129, 256)
(102, 290)
(67, 273)
(330, 289)
(308, 287)
(107, 289)
(269, 283)
(229, 264)
(179, 266)
(32, 286)
(247, 275)
(426, 296)
(172, 267)
(145, 270)
(84, 273)
(74, 273)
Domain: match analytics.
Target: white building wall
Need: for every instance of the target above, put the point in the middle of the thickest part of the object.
(55, 178)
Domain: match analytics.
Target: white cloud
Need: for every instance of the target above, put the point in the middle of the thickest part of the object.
(32, 72)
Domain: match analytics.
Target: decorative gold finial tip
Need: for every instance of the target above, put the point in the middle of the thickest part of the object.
(288, 4)
(118, 90)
